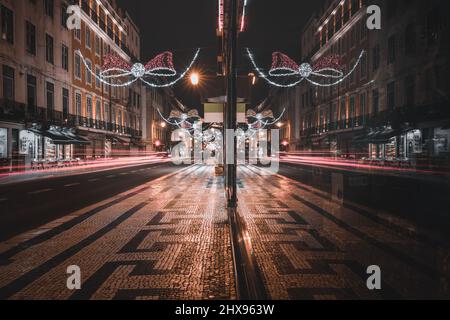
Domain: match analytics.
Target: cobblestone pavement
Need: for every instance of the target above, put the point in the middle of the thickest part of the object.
(308, 247)
(167, 239)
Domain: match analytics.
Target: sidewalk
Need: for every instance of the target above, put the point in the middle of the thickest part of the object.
(170, 239)
(167, 239)
(308, 247)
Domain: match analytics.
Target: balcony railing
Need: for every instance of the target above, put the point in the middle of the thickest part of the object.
(20, 112)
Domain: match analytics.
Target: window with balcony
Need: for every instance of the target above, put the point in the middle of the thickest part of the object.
(409, 90)
(49, 57)
(65, 102)
(98, 110)
(375, 101)
(31, 91)
(78, 104)
(30, 31)
(7, 24)
(50, 95)
(89, 107)
(391, 95)
(8, 83)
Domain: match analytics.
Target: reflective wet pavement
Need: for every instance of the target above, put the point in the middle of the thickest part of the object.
(170, 239)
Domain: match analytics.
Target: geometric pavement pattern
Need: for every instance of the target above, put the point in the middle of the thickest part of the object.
(169, 239)
(309, 247)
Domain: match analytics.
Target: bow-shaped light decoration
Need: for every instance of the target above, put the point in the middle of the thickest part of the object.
(259, 121)
(116, 68)
(283, 66)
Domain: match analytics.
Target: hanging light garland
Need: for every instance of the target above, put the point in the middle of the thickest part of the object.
(282, 66)
(114, 67)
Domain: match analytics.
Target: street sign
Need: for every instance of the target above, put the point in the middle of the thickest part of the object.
(214, 112)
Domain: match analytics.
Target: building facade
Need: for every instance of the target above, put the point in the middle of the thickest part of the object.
(394, 106)
(52, 108)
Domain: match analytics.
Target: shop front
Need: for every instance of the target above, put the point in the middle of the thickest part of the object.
(48, 146)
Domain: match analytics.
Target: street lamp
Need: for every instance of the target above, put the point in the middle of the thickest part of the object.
(163, 124)
(279, 124)
(195, 78)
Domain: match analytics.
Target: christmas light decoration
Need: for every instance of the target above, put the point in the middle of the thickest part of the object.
(114, 67)
(283, 66)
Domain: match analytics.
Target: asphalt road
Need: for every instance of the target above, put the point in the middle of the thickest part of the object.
(27, 205)
(421, 199)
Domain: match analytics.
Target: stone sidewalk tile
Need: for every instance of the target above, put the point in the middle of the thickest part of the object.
(167, 239)
(308, 247)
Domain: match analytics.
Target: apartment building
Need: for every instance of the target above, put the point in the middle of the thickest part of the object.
(394, 106)
(108, 116)
(35, 47)
(51, 108)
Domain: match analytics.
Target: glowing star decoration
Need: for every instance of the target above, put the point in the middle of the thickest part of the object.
(123, 74)
(326, 68)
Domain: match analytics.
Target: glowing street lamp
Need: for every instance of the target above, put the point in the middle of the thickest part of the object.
(195, 78)
(279, 124)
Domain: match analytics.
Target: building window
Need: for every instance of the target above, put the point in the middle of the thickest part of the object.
(31, 91)
(98, 111)
(65, 57)
(362, 106)
(77, 34)
(78, 103)
(106, 112)
(352, 111)
(50, 95)
(64, 15)
(88, 38)
(77, 67)
(410, 39)
(391, 48)
(89, 107)
(7, 20)
(97, 78)
(48, 7)
(49, 48)
(376, 57)
(97, 45)
(88, 72)
(8, 83)
(65, 102)
(391, 95)
(30, 38)
(375, 101)
(363, 66)
(409, 91)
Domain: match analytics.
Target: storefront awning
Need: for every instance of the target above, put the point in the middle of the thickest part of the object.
(59, 137)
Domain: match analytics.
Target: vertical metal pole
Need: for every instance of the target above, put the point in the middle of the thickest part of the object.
(230, 117)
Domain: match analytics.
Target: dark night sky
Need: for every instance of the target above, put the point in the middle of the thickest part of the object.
(181, 26)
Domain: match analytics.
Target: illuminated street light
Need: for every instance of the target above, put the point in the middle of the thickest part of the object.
(252, 75)
(195, 78)
(279, 124)
(163, 124)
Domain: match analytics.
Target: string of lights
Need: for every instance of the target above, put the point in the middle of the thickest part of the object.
(116, 68)
(283, 66)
